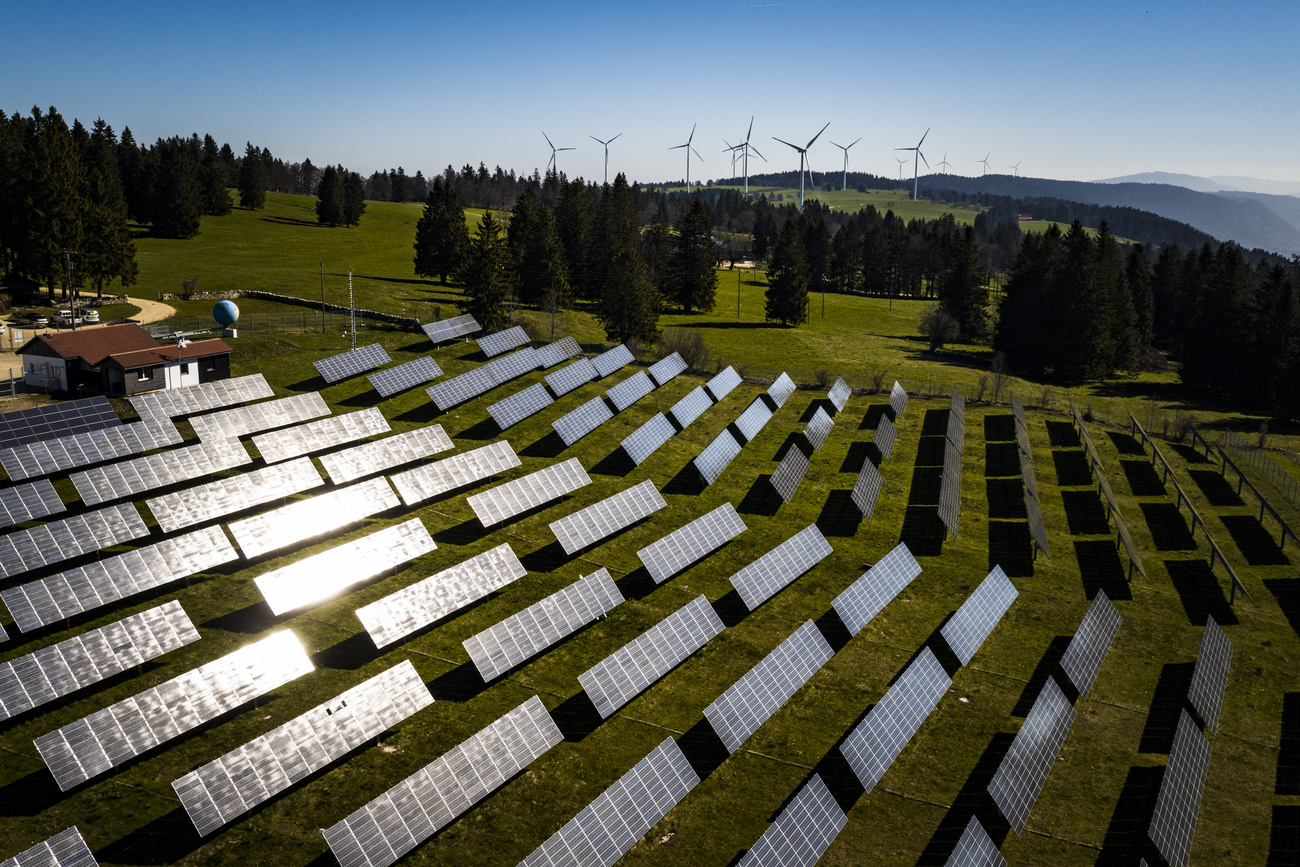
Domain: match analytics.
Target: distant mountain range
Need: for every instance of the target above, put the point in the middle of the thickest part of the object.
(1216, 184)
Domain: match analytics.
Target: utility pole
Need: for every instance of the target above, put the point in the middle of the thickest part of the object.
(72, 284)
(352, 309)
(322, 295)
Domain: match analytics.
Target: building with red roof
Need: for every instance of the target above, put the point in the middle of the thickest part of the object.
(119, 360)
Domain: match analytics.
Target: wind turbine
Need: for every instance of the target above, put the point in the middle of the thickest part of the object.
(554, 151)
(916, 162)
(901, 162)
(606, 144)
(985, 162)
(688, 155)
(745, 147)
(731, 149)
(944, 162)
(803, 156)
(1016, 168)
(845, 148)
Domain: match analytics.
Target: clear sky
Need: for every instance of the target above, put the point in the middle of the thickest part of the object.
(1068, 90)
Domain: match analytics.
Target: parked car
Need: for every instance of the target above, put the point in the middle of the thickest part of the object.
(40, 322)
(90, 317)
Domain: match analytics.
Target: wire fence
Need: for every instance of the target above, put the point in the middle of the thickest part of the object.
(299, 321)
(1260, 461)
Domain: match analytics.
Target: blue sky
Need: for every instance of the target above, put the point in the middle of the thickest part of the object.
(1077, 91)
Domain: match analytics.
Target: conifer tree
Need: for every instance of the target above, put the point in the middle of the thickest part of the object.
(963, 291)
(485, 274)
(630, 306)
(540, 268)
(107, 252)
(252, 179)
(440, 234)
(694, 281)
(354, 197)
(177, 200)
(329, 198)
(787, 278)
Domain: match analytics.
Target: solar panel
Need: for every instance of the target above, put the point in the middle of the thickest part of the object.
(304, 439)
(628, 671)
(569, 377)
(496, 650)
(512, 366)
(781, 390)
(1211, 674)
(690, 407)
(665, 369)
(243, 420)
(839, 394)
(682, 547)
(432, 480)
(876, 741)
(716, 455)
(28, 502)
(528, 492)
(520, 405)
(32, 460)
(975, 848)
(388, 827)
(4, 636)
(103, 582)
(950, 488)
(502, 341)
(447, 329)
(39, 423)
(225, 788)
(1027, 474)
(630, 390)
(859, 604)
(553, 353)
(1036, 527)
(97, 654)
(1091, 643)
(803, 831)
(586, 526)
(398, 379)
(65, 849)
(789, 473)
(24, 550)
(751, 421)
(748, 703)
(867, 489)
(778, 568)
(1019, 779)
(313, 517)
(314, 579)
(721, 385)
(884, 438)
(819, 428)
(956, 431)
(977, 616)
(412, 608)
(898, 399)
(643, 441)
(1173, 822)
(611, 360)
(204, 397)
(577, 423)
(1022, 439)
(235, 494)
(127, 478)
(611, 824)
(337, 368)
(458, 389)
(88, 747)
(957, 405)
(1018, 411)
(384, 454)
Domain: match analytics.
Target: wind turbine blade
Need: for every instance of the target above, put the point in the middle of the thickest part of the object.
(855, 141)
(697, 155)
(840, 146)
(922, 141)
(565, 149)
(596, 140)
(548, 139)
(819, 133)
(755, 150)
(923, 159)
(787, 144)
(751, 129)
(677, 147)
(903, 149)
(692, 136)
(613, 138)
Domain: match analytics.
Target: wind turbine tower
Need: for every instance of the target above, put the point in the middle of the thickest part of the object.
(745, 147)
(901, 162)
(1016, 169)
(944, 162)
(803, 157)
(845, 182)
(985, 162)
(554, 151)
(917, 159)
(688, 155)
(606, 144)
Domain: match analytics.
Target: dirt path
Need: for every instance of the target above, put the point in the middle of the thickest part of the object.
(150, 311)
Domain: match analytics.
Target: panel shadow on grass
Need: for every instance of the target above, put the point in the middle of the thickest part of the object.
(1169, 529)
(1047, 666)
(1287, 593)
(576, 717)
(1062, 435)
(1284, 837)
(487, 429)
(165, 840)
(549, 446)
(859, 454)
(839, 516)
(999, 427)
(1254, 542)
(1126, 835)
(875, 412)
(687, 482)
(972, 800)
(1071, 469)
(929, 451)
(1288, 754)
(1143, 479)
(1200, 592)
(1006, 499)
(30, 795)
(1126, 444)
(1101, 568)
(935, 423)
(1001, 459)
(703, 749)
(761, 499)
(1084, 513)
(616, 464)
(922, 531)
(1215, 488)
(1167, 703)
(1191, 455)
(926, 482)
(349, 654)
(461, 683)
(1011, 548)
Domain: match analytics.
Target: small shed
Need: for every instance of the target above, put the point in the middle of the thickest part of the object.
(120, 360)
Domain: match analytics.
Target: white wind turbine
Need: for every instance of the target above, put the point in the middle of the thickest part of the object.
(845, 182)
(944, 162)
(731, 149)
(606, 144)
(901, 162)
(745, 147)
(985, 162)
(554, 151)
(1016, 169)
(803, 157)
(688, 155)
(917, 159)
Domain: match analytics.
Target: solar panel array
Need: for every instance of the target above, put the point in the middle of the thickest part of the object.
(625, 673)
(227, 787)
(577, 423)
(512, 366)
(235, 494)
(789, 473)
(803, 831)
(582, 528)
(645, 440)
(1022, 439)
(315, 516)
(459, 389)
(1019, 779)
(867, 489)
(884, 438)
(561, 350)
(281, 445)
(977, 616)
(1037, 528)
(898, 399)
(839, 394)
(1018, 411)
(569, 377)
(876, 741)
(630, 390)
(1028, 475)
(496, 650)
(54, 420)
(862, 600)
(690, 407)
(432, 480)
(950, 488)
(243, 420)
(666, 369)
(528, 492)
(1090, 644)
(1211, 674)
(384, 454)
(103, 582)
(520, 405)
(722, 384)
(716, 455)
(748, 703)
(24, 550)
(126, 478)
(818, 428)
(337, 368)
(957, 405)
(611, 360)
(781, 390)
(397, 379)
(682, 547)
(447, 329)
(975, 848)
(1173, 823)
(206, 396)
(751, 421)
(97, 654)
(32, 460)
(88, 747)
(502, 341)
(65, 849)
(382, 831)
(28, 502)
(320, 576)
(412, 608)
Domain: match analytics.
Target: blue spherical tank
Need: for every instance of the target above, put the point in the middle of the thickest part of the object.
(226, 313)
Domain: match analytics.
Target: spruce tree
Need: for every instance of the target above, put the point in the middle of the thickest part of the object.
(58, 188)
(541, 271)
(694, 281)
(485, 274)
(657, 251)
(354, 197)
(177, 209)
(787, 278)
(329, 198)
(575, 216)
(440, 235)
(107, 252)
(252, 179)
(630, 306)
(963, 291)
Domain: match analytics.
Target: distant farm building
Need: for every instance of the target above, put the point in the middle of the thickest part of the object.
(119, 359)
